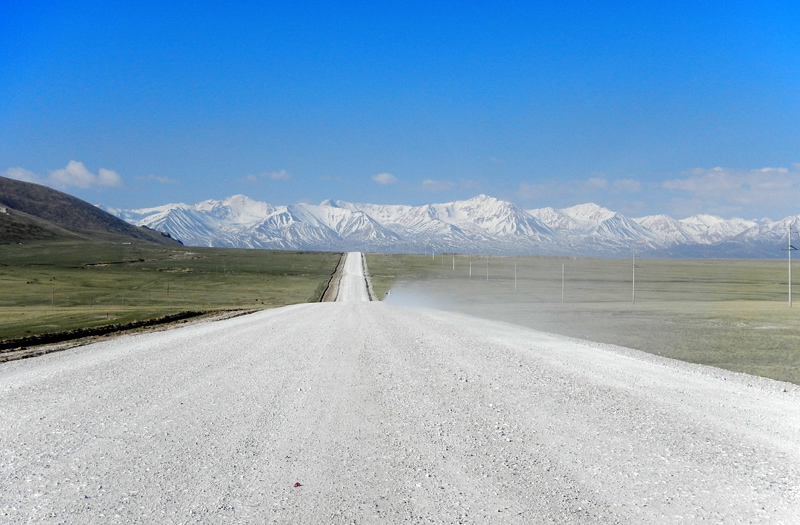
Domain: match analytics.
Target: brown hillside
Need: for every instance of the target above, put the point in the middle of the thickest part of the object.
(45, 213)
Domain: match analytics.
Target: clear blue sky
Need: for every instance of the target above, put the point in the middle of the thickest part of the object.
(643, 107)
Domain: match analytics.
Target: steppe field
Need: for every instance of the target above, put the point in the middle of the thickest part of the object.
(732, 314)
(50, 287)
(357, 411)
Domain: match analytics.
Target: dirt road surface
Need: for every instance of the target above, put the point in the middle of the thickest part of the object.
(362, 412)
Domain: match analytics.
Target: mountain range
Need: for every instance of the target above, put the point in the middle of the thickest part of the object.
(482, 224)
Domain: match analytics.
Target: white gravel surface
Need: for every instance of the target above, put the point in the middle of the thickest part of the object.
(353, 286)
(388, 414)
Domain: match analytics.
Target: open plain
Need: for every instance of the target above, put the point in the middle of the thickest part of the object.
(727, 313)
(364, 412)
(59, 286)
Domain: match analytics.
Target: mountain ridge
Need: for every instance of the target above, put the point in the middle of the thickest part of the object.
(482, 224)
(35, 212)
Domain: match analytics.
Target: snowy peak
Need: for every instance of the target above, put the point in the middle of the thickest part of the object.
(667, 228)
(708, 229)
(482, 224)
(599, 224)
(589, 212)
(554, 219)
(706, 221)
(240, 208)
(494, 216)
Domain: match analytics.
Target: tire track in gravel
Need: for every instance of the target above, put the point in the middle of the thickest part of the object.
(388, 414)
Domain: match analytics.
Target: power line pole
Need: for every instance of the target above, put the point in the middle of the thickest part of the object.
(515, 275)
(790, 249)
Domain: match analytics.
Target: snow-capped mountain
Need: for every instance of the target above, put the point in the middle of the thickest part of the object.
(608, 227)
(482, 224)
(669, 230)
(707, 229)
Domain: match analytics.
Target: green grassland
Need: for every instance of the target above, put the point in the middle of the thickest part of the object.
(732, 314)
(54, 286)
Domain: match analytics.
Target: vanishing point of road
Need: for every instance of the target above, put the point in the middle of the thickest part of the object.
(363, 412)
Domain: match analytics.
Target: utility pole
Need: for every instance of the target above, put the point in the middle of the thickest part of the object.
(487, 267)
(515, 275)
(562, 282)
(790, 249)
(633, 281)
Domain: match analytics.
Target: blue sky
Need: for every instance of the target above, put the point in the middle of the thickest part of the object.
(645, 107)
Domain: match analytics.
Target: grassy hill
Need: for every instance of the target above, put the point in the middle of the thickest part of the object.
(33, 212)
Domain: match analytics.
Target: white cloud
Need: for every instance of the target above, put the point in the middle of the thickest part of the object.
(109, 178)
(277, 175)
(530, 192)
(23, 175)
(597, 182)
(271, 175)
(384, 178)
(569, 192)
(74, 174)
(437, 185)
(754, 192)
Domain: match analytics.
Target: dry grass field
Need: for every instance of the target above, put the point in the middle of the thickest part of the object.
(732, 314)
(55, 286)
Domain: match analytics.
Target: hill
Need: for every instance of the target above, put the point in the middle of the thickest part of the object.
(33, 212)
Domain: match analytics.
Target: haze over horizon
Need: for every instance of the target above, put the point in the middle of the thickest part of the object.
(679, 109)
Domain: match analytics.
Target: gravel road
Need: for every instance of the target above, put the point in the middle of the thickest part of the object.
(387, 414)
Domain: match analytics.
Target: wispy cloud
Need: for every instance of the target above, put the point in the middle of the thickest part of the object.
(569, 192)
(23, 175)
(277, 175)
(757, 191)
(437, 185)
(384, 178)
(74, 174)
(537, 191)
(597, 182)
(266, 175)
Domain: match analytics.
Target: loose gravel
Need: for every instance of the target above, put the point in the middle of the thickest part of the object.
(364, 412)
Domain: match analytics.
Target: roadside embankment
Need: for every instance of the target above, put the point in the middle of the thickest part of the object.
(41, 344)
(332, 289)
